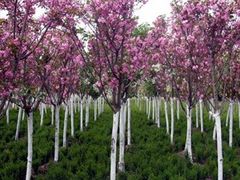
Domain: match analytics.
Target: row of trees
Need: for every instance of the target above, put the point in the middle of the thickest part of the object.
(95, 48)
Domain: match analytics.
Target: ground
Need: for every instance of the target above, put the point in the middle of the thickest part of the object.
(151, 156)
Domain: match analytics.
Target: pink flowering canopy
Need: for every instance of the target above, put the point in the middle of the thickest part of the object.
(60, 66)
(21, 36)
(114, 53)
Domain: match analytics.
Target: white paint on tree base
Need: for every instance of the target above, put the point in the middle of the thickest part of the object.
(95, 109)
(166, 116)
(114, 146)
(72, 116)
(227, 118)
(52, 114)
(196, 111)
(56, 145)
(7, 115)
(219, 144)
(178, 109)
(158, 112)
(121, 163)
(81, 115)
(129, 122)
(201, 114)
(30, 149)
(65, 126)
(188, 143)
(87, 111)
(18, 123)
(172, 120)
(230, 123)
(41, 113)
(239, 114)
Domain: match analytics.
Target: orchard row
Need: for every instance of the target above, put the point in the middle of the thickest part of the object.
(95, 48)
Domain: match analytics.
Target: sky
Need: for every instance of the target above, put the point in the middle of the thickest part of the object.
(153, 8)
(147, 14)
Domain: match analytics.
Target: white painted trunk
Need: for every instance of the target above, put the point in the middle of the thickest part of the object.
(18, 123)
(166, 116)
(239, 114)
(227, 118)
(153, 108)
(231, 123)
(197, 122)
(214, 131)
(95, 109)
(158, 112)
(23, 115)
(65, 126)
(103, 105)
(81, 115)
(52, 112)
(178, 109)
(121, 164)
(75, 104)
(114, 146)
(129, 122)
(219, 144)
(149, 108)
(41, 114)
(146, 105)
(30, 144)
(56, 145)
(99, 106)
(188, 143)
(7, 115)
(87, 112)
(201, 115)
(72, 116)
(172, 120)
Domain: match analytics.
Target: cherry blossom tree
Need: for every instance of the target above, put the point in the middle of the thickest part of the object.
(59, 73)
(111, 54)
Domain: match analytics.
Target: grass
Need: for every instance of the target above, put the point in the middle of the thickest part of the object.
(151, 156)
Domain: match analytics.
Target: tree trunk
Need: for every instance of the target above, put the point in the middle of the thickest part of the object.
(23, 115)
(121, 163)
(52, 112)
(197, 124)
(56, 145)
(219, 144)
(129, 121)
(227, 118)
(158, 111)
(172, 121)
(81, 115)
(18, 123)
(95, 109)
(114, 146)
(153, 109)
(72, 116)
(30, 149)
(7, 115)
(214, 131)
(230, 123)
(201, 115)
(41, 114)
(149, 108)
(65, 126)
(239, 114)
(188, 144)
(146, 105)
(166, 115)
(178, 111)
(87, 112)
(99, 106)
